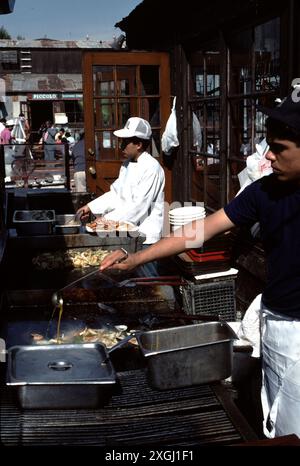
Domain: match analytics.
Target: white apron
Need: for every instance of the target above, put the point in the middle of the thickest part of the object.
(280, 374)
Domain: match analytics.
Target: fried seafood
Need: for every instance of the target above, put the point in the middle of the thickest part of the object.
(66, 259)
(108, 337)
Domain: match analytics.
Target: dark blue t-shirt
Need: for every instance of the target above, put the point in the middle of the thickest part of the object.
(276, 206)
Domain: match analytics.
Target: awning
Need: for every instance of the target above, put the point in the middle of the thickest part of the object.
(7, 6)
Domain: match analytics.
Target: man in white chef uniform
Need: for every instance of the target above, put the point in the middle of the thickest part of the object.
(137, 195)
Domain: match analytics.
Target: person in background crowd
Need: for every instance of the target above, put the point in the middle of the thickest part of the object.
(41, 132)
(137, 195)
(274, 202)
(25, 125)
(60, 136)
(49, 141)
(60, 140)
(2, 124)
(6, 136)
(78, 155)
(71, 141)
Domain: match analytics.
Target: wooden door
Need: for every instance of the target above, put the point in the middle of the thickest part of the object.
(116, 86)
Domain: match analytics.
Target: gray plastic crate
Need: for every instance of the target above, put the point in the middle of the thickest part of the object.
(216, 297)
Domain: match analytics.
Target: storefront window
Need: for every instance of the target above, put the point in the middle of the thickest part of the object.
(74, 111)
(228, 123)
(254, 79)
(120, 92)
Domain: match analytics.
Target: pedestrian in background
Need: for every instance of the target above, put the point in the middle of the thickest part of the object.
(78, 156)
(49, 141)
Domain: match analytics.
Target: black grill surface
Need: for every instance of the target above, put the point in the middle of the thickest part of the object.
(137, 416)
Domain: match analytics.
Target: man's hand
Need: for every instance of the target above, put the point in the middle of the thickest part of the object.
(83, 212)
(118, 260)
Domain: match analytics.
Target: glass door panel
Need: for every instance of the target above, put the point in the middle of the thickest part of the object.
(126, 109)
(117, 86)
(103, 81)
(149, 80)
(126, 80)
(105, 145)
(150, 110)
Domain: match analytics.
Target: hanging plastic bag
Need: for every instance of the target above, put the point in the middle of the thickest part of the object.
(197, 133)
(18, 132)
(257, 164)
(18, 135)
(169, 139)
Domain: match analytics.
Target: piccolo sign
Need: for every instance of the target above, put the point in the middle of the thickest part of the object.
(55, 96)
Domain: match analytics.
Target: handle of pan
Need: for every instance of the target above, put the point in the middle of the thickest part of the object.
(118, 345)
(204, 317)
(100, 274)
(122, 342)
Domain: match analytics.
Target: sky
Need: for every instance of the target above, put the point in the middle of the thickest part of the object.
(67, 19)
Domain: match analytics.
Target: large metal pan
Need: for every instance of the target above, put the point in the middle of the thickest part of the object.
(188, 355)
(62, 376)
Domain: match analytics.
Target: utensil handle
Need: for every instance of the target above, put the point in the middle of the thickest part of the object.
(60, 365)
(121, 343)
(204, 317)
(79, 279)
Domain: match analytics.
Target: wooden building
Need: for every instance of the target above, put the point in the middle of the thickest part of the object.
(220, 60)
(226, 58)
(43, 79)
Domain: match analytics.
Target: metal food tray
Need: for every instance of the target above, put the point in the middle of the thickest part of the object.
(66, 224)
(61, 376)
(34, 222)
(188, 355)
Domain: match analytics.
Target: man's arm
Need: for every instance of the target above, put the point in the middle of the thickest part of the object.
(190, 236)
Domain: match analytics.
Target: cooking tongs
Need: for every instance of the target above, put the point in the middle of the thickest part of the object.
(171, 280)
(57, 295)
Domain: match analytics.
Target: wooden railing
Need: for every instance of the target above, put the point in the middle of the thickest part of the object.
(25, 166)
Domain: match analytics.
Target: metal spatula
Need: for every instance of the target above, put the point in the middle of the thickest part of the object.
(57, 295)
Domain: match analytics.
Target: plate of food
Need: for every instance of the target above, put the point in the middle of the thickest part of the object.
(101, 225)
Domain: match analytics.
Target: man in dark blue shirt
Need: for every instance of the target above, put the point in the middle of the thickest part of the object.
(274, 202)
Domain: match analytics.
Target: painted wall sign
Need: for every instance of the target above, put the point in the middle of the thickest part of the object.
(44, 96)
(56, 96)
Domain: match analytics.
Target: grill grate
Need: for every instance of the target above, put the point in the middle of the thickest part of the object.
(138, 416)
(214, 298)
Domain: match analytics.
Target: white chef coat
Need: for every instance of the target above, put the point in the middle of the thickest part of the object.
(137, 196)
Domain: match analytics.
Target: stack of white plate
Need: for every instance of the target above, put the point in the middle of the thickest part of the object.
(183, 215)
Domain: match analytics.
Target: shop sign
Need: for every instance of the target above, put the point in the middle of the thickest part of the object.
(56, 96)
(44, 96)
(71, 96)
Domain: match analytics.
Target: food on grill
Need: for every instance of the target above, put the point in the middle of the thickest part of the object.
(101, 223)
(109, 337)
(42, 215)
(37, 337)
(67, 259)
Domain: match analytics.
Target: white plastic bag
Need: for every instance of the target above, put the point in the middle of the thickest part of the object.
(20, 148)
(18, 132)
(197, 133)
(169, 139)
(257, 164)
